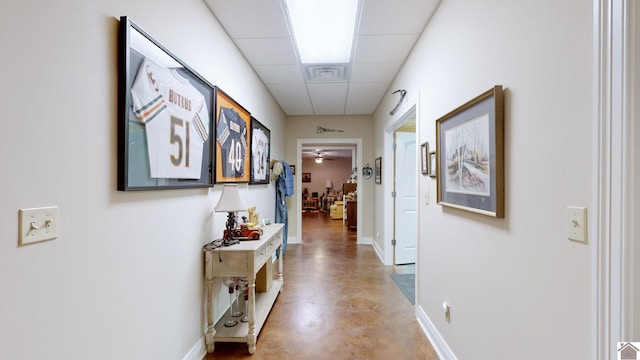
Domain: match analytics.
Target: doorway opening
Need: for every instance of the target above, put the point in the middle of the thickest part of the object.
(328, 193)
(327, 175)
(405, 189)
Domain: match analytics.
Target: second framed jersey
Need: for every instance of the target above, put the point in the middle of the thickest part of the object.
(233, 139)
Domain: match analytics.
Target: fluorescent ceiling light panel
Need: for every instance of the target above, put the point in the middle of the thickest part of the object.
(323, 29)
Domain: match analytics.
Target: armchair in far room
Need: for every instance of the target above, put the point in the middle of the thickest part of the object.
(336, 210)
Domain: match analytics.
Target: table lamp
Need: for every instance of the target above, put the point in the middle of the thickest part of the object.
(230, 202)
(328, 185)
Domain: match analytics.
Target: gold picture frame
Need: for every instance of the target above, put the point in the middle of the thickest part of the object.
(233, 139)
(470, 155)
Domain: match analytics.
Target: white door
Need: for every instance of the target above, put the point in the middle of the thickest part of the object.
(406, 215)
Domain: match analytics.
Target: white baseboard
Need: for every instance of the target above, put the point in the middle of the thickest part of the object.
(197, 352)
(437, 341)
(366, 241)
(293, 240)
(378, 251)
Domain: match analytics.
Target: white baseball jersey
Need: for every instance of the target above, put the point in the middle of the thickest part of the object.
(260, 153)
(176, 121)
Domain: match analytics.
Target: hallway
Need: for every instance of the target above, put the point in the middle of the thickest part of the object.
(338, 302)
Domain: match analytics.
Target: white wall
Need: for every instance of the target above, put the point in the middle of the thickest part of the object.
(124, 278)
(515, 285)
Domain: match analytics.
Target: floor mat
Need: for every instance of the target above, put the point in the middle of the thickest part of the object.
(407, 284)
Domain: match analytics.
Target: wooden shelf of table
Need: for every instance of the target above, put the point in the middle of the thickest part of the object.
(244, 259)
(238, 333)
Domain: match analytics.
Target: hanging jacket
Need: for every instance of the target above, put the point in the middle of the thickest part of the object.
(288, 179)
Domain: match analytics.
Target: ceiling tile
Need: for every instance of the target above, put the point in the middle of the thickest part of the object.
(387, 48)
(363, 98)
(295, 105)
(377, 72)
(250, 18)
(375, 89)
(327, 90)
(329, 105)
(287, 90)
(275, 51)
(279, 74)
(400, 17)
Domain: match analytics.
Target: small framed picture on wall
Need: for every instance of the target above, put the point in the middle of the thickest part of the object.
(424, 157)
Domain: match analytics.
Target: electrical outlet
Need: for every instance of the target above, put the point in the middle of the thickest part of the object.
(37, 224)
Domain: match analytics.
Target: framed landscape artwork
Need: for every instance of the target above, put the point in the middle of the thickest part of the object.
(470, 155)
(233, 136)
(165, 117)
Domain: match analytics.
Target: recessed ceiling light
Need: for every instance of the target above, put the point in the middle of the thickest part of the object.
(323, 29)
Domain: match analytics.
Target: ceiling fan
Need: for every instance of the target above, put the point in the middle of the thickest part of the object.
(319, 158)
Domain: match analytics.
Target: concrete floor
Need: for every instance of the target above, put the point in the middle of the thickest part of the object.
(338, 302)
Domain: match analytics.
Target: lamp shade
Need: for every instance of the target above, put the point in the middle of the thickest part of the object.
(328, 184)
(230, 200)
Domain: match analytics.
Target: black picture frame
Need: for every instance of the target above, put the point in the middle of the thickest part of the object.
(233, 142)
(168, 146)
(378, 170)
(424, 158)
(470, 155)
(306, 177)
(260, 152)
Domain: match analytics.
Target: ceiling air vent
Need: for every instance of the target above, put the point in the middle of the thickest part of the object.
(332, 73)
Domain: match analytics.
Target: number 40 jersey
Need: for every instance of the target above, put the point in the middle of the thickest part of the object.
(232, 137)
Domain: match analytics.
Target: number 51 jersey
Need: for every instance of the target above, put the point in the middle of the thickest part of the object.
(176, 121)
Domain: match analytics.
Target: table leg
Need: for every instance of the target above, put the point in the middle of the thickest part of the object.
(211, 331)
(208, 281)
(251, 336)
(280, 267)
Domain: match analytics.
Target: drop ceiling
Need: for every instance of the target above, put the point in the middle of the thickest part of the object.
(327, 152)
(385, 35)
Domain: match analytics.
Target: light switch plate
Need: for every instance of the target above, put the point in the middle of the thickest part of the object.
(577, 223)
(37, 224)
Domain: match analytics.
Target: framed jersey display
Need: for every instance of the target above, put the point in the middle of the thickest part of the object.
(260, 152)
(233, 136)
(165, 117)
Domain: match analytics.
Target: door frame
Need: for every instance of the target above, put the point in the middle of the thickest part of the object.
(409, 106)
(613, 228)
(355, 142)
(395, 188)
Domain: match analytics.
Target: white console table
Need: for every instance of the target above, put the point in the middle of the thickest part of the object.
(244, 259)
